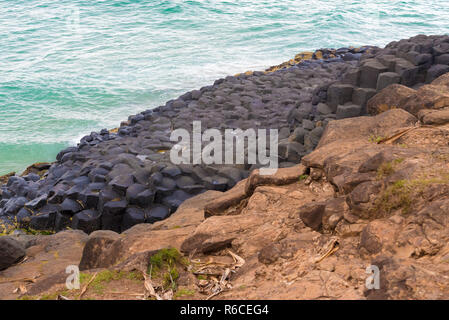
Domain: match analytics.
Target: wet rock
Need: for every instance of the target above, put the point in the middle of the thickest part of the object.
(352, 77)
(307, 124)
(23, 218)
(312, 139)
(32, 177)
(166, 186)
(74, 192)
(105, 195)
(407, 71)
(90, 198)
(216, 183)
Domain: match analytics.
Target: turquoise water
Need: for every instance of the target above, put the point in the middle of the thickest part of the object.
(69, 67)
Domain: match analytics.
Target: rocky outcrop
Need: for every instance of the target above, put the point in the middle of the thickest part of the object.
(115, 179)
(42, 263)
(374, 193)
(428, 99)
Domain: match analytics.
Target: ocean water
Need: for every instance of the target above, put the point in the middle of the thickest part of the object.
(68, 67)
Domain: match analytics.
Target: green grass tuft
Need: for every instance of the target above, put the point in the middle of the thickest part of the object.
(163, 265)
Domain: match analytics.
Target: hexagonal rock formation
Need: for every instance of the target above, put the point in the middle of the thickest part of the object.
(115, 179)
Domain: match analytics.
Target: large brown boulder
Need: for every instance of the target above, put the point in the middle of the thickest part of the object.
(11, 251)
(393, 96)
(431, 96)
(364, 128)
(434, 117)
(96, 245)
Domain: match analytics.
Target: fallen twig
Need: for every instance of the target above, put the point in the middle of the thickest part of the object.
(239, 261)
(150, 288)
(87, 285)
(18, 280)
(333, 247)
(396, 136)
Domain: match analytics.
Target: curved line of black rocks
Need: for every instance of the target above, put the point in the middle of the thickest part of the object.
(101, 184)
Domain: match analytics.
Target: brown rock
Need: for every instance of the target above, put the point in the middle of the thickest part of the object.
(269, 254)
(312, 215)
(376, 235)
(427, 97)
(364, 128)
(361, 199)
(434, 117)
(225, 200)
(346, 230)
(333, 213)
(96, 246)
(39, 168)
(281, 177)
(393, 96)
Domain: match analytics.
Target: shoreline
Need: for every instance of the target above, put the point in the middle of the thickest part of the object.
(358, 185)
(298, 58)
(298, 97)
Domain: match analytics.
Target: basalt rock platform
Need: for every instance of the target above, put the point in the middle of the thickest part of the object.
(115, 179)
